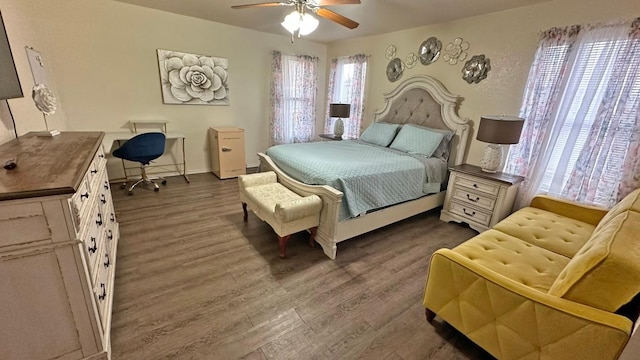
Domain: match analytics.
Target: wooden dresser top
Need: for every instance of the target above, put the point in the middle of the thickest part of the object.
(46, 165)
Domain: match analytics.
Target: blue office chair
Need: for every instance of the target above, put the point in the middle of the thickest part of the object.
(142, 148)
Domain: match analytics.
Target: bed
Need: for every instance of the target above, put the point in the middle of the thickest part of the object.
(420, 100)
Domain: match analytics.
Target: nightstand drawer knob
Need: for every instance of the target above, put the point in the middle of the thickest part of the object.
(473, 213)
(472, 200)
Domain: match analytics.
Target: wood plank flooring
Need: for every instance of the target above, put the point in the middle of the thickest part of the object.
(193, 281)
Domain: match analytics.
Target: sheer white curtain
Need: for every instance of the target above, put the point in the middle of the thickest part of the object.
(585, 132)
(293, 98)
(347, 83)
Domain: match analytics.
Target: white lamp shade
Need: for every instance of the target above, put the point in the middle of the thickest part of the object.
(291, 22)
(308, 24)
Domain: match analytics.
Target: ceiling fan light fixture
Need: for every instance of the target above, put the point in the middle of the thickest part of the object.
(305, 24)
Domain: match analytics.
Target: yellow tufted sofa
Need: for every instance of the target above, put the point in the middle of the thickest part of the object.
(551, 281)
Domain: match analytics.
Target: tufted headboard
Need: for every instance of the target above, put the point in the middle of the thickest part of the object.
(423, 100)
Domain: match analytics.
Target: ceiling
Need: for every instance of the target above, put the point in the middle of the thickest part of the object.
(375, 16)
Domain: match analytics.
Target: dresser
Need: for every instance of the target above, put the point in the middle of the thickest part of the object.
(58, 246)
(227, 152)
(479, 198)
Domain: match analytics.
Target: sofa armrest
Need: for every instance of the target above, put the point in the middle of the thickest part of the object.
(296, 209)
(585, 213)
(506, 317)
(264, 178)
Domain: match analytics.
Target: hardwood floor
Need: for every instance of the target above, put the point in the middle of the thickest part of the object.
(193, 281)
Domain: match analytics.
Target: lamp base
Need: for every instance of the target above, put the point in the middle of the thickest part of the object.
(338, 127)
(491, 158)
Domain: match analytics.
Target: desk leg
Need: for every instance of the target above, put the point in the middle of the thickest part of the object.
(184, 163)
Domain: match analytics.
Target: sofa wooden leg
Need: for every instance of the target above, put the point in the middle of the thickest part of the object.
(430, 315)
(312, 237)
(244, 208)
(283, 245)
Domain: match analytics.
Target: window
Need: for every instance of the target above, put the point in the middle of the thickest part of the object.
(347, 79)
(293, 98)
(581, 103)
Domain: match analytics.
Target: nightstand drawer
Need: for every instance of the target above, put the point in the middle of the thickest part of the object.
(473, 183)
(470, 213)
(474, 197)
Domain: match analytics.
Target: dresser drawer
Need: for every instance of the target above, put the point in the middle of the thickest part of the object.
(476, 198)
(470, 213)
(476, 184)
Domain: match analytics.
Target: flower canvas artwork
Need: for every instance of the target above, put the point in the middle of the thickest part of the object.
(193, 79)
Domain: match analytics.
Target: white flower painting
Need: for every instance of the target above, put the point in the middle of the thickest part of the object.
(193, 79)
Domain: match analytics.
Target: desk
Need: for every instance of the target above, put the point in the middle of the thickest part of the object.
(119, 137)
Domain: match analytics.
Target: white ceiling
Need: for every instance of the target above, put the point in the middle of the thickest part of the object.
(375, 16)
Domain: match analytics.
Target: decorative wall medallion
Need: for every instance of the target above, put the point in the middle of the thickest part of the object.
(429, 50)
(193, 79)
(476, 69)
(394, 69)
(390, 53)
(411, 61)
(456, 51)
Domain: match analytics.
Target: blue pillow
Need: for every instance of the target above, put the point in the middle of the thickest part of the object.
(379, 133)
(417, 140)
(442, 151)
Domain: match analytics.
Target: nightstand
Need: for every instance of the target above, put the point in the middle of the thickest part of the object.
(479, 198)
(330, 137)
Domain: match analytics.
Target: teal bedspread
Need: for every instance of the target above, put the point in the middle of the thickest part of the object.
(370, 176)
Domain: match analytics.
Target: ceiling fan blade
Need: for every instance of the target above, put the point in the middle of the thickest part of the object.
(338, 2)
(257, 5)
(330, 15)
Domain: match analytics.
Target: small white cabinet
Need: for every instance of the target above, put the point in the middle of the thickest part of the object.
(57, 249)
(478, 198)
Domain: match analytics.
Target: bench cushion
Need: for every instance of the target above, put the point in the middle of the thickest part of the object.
(267, 196)
(550, 231)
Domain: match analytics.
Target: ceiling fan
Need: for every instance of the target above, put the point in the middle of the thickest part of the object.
(300, 21)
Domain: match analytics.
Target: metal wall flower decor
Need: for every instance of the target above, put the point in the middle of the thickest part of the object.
(395, 69)
(476, 69)
(193, 79)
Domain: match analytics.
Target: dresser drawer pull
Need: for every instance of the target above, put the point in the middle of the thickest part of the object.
(101, 156)
(106, 185)
(94, 246)
(85, 195)
(99, 221)
(112, 218)
(475, 185)
(225, 149)
(472, 200)
(103, 199)
(473, 213)
(106, 261)
(94, 171)
(104, 291)
(109, 234)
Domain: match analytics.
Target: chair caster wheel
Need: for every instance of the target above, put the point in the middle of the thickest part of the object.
(122, 186)
(156, 189)
(130, 193)
(164, 182)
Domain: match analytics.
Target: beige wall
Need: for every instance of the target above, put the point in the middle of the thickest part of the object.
(508, 38)
(102, 63)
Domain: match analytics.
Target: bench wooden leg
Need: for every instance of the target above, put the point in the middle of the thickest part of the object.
(430, 315)
(312, 237)
(283, 245)
(244, 208)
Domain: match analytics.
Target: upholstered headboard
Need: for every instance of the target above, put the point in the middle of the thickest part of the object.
(423, 100)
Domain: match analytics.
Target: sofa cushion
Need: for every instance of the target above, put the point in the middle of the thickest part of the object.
(515, 259)
(630, 202)
(557, 233)
(605, 273)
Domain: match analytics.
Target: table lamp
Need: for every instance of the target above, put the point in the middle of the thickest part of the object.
(340, 111)
(497, 130)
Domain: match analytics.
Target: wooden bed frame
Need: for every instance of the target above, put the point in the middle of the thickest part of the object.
(420, 100)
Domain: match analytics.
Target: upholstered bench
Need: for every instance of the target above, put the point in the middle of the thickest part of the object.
(285, 211)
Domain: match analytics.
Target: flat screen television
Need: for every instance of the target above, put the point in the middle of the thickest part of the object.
(9, 83)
